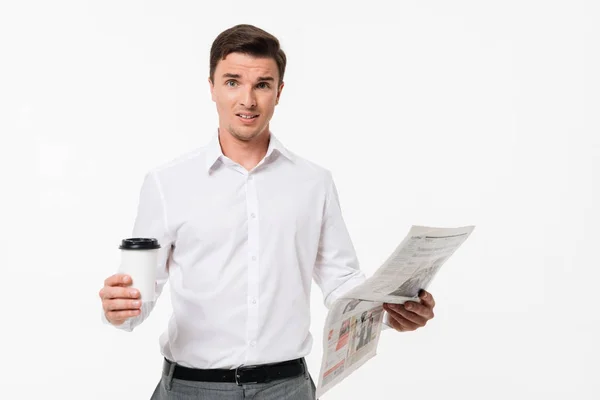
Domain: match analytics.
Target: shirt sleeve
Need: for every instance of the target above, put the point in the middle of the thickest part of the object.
(151, 222)
(336, 268)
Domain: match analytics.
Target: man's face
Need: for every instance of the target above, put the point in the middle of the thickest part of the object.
(245, 91)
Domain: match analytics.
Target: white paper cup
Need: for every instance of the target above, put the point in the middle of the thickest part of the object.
(139, 258)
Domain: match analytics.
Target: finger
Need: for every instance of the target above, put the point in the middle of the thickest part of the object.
(117, 292)
(395, 325)
(121, 316)
(409, 315)
(419, 309)
(427, 298)
(401, 324)
(121, 305)
(118, 280)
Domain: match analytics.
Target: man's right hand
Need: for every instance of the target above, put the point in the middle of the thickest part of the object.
(119, 300)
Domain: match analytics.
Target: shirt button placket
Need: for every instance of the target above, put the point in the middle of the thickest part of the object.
(253, 265)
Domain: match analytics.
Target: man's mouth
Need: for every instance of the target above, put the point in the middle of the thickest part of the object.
(247, 117)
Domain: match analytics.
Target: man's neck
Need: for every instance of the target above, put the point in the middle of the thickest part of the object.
(246, 153)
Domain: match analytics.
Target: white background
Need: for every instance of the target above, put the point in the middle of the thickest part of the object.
(428, 112)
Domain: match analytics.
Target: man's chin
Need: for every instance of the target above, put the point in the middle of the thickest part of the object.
(245, 135)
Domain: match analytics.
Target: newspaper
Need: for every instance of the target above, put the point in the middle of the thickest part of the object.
(354, 323)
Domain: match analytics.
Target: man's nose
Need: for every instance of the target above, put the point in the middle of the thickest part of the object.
(248, 98)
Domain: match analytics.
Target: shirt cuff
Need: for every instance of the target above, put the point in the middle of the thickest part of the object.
(386, 321)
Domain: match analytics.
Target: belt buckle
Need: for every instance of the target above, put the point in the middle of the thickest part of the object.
(242, 368)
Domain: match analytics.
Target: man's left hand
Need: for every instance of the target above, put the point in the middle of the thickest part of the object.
(411, 315)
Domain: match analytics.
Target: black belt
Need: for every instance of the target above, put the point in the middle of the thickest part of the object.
(244, 374)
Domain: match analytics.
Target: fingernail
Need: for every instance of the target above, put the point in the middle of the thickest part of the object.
(136, 303)
(133, 293)
(408, 306)
(425, 295)
(125, 279)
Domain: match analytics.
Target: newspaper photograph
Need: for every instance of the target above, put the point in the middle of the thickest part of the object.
(353, 332)
(354, 322)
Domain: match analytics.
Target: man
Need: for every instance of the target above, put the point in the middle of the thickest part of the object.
(244, 226)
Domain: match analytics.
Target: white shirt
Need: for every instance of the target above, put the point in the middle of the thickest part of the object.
(240, 249)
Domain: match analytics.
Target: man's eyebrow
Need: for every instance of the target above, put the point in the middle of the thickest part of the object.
(238, 76)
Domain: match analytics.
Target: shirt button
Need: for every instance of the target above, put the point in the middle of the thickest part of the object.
(253, 215)
(253, 343)
(250, 178)
(253, 258)
(253, 301)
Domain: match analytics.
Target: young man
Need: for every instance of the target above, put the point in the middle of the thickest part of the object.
(244, 226)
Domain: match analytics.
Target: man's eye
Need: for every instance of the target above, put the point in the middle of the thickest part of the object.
(231, 83)
(263, 85)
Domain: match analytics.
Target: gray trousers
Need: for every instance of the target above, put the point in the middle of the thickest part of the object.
(299, 388)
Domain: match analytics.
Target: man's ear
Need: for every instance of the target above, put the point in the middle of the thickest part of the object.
(279, 93)
(212, 88)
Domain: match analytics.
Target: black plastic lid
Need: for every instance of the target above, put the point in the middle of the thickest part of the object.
(139, 244)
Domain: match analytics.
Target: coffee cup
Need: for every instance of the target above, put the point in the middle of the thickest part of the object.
(139, 258)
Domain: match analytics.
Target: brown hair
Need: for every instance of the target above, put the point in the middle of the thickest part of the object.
(246, 39)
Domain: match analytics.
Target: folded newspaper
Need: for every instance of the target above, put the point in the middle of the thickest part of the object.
(354, 322)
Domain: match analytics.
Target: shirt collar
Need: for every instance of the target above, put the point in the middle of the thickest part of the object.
(214, 152)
